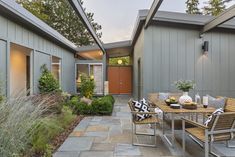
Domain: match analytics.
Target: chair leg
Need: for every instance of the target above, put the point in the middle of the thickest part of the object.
(155, 135)
(206, 144)
(183, 137)
(132, 134)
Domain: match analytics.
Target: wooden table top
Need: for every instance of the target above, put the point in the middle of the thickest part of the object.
(167, 109)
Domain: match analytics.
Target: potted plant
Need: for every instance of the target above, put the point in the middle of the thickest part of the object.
(185, 86)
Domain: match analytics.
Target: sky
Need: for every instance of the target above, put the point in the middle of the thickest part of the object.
(118, 17)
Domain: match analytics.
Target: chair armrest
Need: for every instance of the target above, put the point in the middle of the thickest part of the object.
(134, 112)
(194, 123)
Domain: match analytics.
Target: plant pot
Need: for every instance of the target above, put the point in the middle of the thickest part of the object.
(185, 98)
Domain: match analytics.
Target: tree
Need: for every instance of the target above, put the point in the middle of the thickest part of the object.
(60, 15)
(47, 82)
(215, 7)
(192, 7)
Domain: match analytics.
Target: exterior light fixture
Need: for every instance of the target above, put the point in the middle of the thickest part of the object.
(205, 47)
(119, 61)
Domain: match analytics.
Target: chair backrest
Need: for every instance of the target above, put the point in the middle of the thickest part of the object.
(154, 97)
(223, 121)
(230, 105)
(132, 108)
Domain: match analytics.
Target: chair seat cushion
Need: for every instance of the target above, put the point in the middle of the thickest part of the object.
(199, 133)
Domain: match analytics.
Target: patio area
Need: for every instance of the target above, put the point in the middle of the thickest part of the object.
(110, 136)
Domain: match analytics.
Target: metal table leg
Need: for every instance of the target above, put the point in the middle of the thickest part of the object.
(171, 141)
(173, 129)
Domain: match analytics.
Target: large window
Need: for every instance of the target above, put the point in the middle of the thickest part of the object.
(56, 68)
(93, 70)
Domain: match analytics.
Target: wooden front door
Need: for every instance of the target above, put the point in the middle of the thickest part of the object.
(120, 79)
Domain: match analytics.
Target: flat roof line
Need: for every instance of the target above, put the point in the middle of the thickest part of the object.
(14, 8)
(220, 19)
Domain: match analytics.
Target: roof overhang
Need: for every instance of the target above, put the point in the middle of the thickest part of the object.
(153, 10)
(20, 15)
(116, 49)
(220, 19)
(81, 13)
(177, 19)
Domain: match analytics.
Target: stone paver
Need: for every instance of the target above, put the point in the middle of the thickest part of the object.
(76, 144)
(110, 136)
(97, 154)
(66, 154)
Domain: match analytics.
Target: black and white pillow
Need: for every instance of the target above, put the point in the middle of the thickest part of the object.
(141, 106)
(211, 118)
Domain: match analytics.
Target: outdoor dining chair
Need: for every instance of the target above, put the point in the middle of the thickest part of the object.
(220, 128)
(153, 121)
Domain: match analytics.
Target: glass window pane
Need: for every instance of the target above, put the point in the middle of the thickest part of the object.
(81, 69)
(56, 68)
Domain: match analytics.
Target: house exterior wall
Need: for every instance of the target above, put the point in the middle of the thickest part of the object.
(173, 53)
(42, 50)
(138, 54)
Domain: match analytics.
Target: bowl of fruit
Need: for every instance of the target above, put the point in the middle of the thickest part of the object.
(190, 105)
(171, 100)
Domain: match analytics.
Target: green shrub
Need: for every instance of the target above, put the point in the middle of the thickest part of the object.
(87, 86)
(82, 108)
(99, 106)
(1, 98)
(49, 128)
(18, 119)
(102, 106)
(111, 98)
(47, 82)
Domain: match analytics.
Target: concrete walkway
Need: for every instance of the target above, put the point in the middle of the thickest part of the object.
(110, 136)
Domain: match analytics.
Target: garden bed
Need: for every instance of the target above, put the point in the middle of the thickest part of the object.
(59, 140)
(100, 106)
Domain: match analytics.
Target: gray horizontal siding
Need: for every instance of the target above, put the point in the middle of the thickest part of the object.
(171, 54)
(42, 48)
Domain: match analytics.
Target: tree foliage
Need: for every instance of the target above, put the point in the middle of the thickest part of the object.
(87, 86)
(192, 7)
(60, 15)
(215, 7)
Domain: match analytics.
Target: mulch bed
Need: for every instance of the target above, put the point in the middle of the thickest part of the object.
(59, 140)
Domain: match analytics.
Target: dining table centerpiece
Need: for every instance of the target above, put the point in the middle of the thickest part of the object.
(185, 86)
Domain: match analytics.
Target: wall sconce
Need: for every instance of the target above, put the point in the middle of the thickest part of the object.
(205, 47)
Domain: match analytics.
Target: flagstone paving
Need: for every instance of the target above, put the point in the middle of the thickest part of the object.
(110, 136)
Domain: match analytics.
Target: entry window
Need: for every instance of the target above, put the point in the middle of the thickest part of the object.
(92, 70)
(56, 68)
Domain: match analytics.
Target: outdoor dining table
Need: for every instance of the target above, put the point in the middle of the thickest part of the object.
(184, 112)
